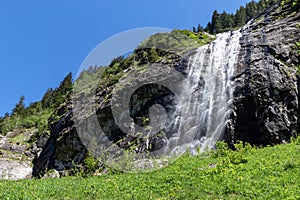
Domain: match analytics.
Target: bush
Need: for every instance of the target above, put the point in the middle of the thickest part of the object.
(228, 156)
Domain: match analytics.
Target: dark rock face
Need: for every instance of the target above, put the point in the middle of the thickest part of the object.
(141, 101)
(266, 99)
(62, 150)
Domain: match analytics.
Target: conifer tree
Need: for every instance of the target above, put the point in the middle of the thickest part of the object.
(216, 22)
(194, 29)
(20, 106)
(240, 17)
(199, 28)
(47, 98)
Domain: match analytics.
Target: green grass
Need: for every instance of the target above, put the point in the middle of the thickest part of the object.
(267, 173)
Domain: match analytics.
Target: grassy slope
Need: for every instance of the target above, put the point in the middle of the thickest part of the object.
(267, 173)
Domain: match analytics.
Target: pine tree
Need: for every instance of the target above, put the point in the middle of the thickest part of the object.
(251, 10)
(47, 98)
(199, 28)
(240, 17)
(209, 28)
(60, 94)
(66, 85)
(223, 22)
(216, 22)
(194, 29)
(226, 21)
(20, 106)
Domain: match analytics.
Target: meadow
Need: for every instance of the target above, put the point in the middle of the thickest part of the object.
(247, 173)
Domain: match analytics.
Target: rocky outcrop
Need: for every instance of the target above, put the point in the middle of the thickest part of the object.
(266, 97)
(15, 159)
(63, 150)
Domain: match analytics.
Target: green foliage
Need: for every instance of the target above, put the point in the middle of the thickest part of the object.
(19, 139)
(91, 165)
(37, 113)
(240, 17)
(222, 150)
(232, 157)
(297, 49)
(63, 92)
(19, 108)
(200, 37)
(269, 173)
(162, 47)
(47, 98)
(115, 71)
(293, 5)
(88, 80)
(295, 140)
(153, 55)
(251, 10)
(53, 98)
(199, 29)
(225, 22)
(165, 44)
(216, 23)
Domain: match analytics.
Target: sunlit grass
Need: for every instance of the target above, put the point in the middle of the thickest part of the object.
(267, 173)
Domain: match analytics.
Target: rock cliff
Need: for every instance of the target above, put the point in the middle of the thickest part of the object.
(266, 97)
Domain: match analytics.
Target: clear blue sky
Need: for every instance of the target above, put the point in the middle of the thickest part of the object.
(42, 41)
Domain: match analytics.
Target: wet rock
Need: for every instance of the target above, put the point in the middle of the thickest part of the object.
(266, 97)
(61, 149)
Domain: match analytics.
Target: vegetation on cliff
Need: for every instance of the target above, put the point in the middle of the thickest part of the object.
(159, 48)
(36, 115)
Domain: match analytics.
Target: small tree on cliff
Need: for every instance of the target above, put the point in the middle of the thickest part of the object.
(20, 106)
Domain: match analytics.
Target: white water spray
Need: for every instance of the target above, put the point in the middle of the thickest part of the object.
(207, 93)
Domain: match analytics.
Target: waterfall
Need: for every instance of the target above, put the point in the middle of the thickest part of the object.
(207, 93)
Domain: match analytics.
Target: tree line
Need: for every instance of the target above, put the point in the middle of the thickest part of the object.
(221, 22)
(37, 113)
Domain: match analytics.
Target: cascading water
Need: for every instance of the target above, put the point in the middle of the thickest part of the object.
(207, 92)
(185, 112)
